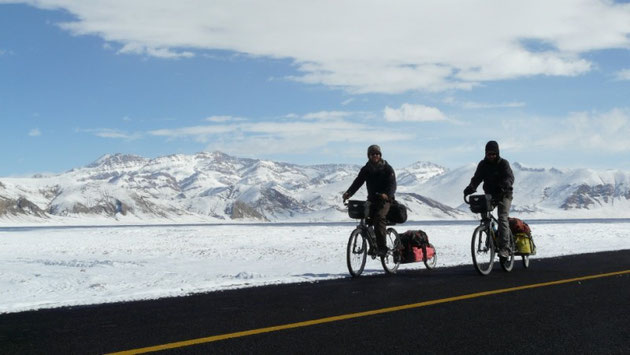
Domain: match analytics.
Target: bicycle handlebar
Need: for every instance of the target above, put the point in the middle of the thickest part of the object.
(494, 203)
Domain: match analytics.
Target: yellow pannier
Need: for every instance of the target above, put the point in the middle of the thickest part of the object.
(524, 244)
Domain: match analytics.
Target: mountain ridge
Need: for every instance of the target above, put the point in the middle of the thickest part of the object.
(217, 187)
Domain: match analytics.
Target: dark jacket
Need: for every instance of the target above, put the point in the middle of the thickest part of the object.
(379, 178)
(497, 178)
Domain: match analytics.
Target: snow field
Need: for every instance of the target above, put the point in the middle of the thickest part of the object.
(45, 268)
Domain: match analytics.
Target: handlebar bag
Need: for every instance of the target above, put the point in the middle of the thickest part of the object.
(358, 209)
(480, 203)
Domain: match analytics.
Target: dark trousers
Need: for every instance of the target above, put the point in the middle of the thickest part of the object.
(379, 219)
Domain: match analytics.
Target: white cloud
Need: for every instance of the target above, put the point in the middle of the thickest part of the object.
(623, 74)
(371, 46)
(166, 53)
(111, 133)
(578, 132)
(35, 132)
(413, 113)
(292, 135)
(4, 52)
(199, 133)
(327, 115)
(220, 119)
(482, 105)
(347, 102)
(607, 131)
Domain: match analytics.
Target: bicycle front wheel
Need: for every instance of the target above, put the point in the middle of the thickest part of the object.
(391, 260)
(356, 252)
(508, 263)
(482, 250)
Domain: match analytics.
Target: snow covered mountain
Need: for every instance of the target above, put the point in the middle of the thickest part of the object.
(546, 193)
(215, 187)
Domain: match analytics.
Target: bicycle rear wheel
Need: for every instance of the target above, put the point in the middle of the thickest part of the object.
(507, 263)
(356, 252)
(430, 262)
(525, 261)
(391, 261)
(482, 250)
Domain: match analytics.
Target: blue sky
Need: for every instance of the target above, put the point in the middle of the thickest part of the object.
(314, 82)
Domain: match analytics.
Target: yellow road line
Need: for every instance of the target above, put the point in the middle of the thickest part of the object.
(241, 334)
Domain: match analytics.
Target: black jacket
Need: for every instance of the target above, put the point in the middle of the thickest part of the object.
(379, 178)
(497, 178)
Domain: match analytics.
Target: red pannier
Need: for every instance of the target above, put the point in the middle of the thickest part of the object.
(415, 254)
(415, 244)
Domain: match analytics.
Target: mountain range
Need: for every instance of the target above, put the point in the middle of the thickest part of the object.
(219, 188)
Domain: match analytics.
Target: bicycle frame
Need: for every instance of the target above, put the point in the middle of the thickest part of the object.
(368, 231)
(489, 221)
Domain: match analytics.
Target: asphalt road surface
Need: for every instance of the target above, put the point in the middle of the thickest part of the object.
(572, 304)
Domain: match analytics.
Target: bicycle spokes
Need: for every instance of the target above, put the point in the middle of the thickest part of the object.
(356, 252)
(482, 249)
(483, 244)
(391, 260)
(358, 246)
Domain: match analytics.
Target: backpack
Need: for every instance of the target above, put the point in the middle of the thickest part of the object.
(518, 226)
(417, 238)
(397, 213)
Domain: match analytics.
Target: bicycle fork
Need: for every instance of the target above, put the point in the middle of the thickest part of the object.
(485, 244)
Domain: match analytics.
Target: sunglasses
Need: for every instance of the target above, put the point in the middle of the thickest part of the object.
(372, 154)
(491, 154)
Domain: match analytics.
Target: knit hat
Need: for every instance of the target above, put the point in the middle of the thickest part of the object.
(492, 146)
(374, 149)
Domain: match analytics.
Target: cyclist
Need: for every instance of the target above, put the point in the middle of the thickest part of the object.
(497, 177)
(380, 179)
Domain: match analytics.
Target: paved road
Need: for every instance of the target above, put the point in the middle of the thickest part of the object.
(583, 316)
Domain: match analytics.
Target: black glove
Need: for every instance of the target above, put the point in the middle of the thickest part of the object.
(469, 190)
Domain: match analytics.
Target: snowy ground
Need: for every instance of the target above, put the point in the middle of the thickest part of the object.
(45, 268)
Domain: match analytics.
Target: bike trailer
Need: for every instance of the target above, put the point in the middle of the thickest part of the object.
(415, 245)
(523, 236)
